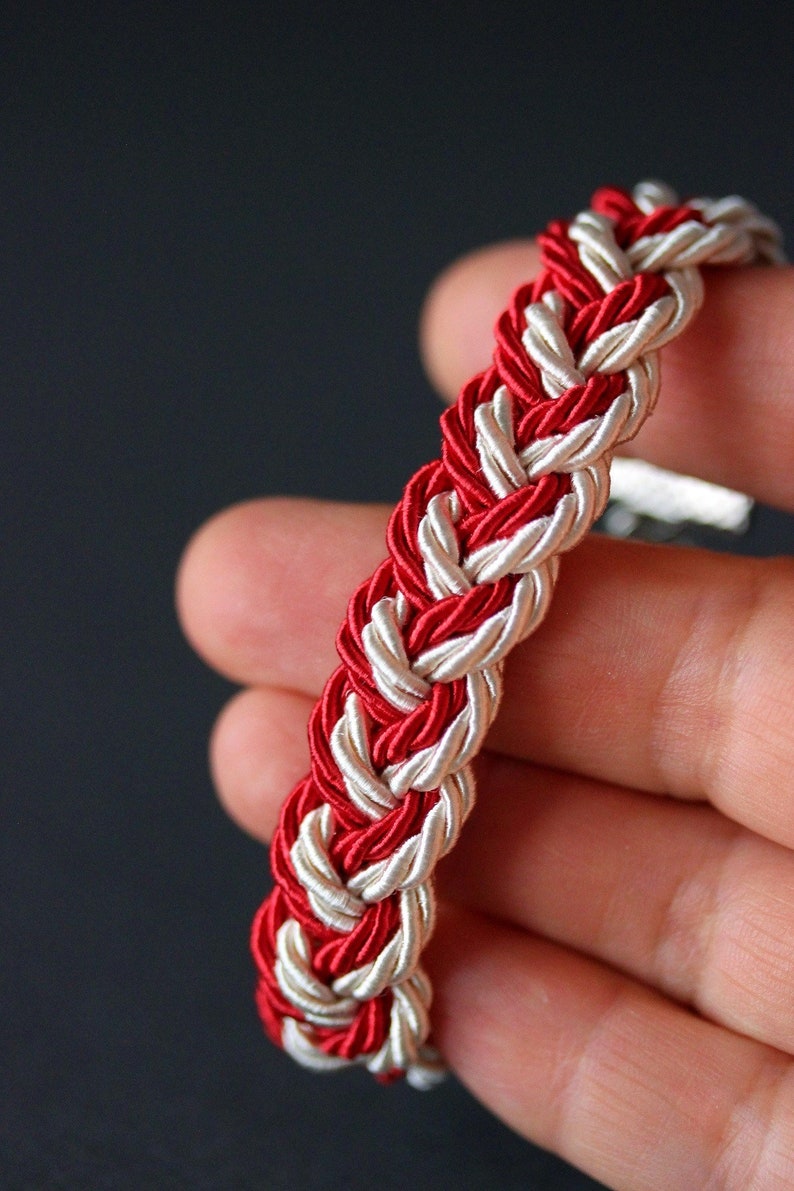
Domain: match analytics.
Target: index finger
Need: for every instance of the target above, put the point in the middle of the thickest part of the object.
(726, 411)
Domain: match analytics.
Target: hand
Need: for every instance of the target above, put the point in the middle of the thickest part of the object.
(614, 960)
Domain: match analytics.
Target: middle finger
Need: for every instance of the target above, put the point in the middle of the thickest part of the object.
(664, 669)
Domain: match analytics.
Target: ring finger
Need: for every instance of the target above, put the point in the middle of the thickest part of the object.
(672, 894)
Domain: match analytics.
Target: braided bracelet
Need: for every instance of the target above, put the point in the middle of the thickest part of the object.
(474, 548)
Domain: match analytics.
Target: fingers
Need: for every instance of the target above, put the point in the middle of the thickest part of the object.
(666, 670)
(669, 670)
(263, 586)
(725, 411)
(674, 895)
(258, 753)
(677, 896)
(636, 1091)
(457, 320)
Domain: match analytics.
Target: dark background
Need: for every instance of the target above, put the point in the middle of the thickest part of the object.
(218, 222)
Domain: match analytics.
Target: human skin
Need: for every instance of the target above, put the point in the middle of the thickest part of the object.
(613, 966)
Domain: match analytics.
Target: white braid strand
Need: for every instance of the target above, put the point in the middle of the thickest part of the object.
(734, 233)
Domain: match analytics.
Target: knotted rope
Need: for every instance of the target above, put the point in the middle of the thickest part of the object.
(474, 548)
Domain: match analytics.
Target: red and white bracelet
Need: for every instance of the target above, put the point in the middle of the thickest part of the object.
(474, 548)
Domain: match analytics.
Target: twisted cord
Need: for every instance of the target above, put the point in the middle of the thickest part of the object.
(474, 548)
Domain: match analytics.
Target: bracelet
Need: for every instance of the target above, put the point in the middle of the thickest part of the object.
(474, 548)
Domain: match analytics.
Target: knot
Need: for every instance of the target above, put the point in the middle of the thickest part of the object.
(474, 548)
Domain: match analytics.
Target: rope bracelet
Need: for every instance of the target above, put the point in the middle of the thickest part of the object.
(474, 548)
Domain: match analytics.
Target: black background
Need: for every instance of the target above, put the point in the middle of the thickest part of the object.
(218, 222)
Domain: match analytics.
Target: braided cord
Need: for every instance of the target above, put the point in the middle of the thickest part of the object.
(474, 548)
